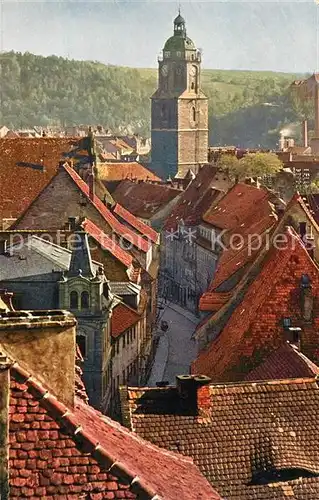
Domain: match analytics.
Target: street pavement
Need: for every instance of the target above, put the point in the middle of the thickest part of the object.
(176, 349)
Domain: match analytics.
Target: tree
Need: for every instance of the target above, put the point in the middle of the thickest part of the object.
(230, 164)
(259, 164)
(251, 165)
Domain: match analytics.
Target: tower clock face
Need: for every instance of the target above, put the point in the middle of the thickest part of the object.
(164, 70)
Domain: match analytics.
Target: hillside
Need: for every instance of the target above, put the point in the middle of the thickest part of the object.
(38, 90)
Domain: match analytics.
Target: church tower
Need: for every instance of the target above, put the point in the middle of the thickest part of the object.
(179, 108)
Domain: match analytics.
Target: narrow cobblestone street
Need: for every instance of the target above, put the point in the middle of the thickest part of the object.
(176, 349)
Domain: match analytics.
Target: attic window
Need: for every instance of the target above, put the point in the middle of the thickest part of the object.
(286, 322)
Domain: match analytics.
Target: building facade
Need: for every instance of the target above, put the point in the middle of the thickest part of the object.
(179, 108)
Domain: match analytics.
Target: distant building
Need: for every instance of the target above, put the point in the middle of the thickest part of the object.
(179, 108)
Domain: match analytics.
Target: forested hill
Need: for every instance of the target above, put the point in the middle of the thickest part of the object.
(38, 90)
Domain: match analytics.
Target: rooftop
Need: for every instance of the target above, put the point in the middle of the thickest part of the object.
(117, 171)
(18, 156)
(195, 200)
(144, 199)
(251, 440)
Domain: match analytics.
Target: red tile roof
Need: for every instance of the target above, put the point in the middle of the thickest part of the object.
(144, 199)
(285, 362)
(117, 171)
(61, 452)
(236, 206)
(119, 228)
(255, 323)
(248, 439)
(107, 243)
(196, 199)
(20, 185)
(137, 224)
(123, 318)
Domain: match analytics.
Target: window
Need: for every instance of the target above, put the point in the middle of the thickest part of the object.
(81, 342)
(117, 347)
(124, 341)
(85, 300)
(194, 114)
(167, 53)
(192, 85)
(74, 300)
(178, 54)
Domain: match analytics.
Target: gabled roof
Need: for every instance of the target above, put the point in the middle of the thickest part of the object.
(253, 441)
(78, 451)
(120, 229)
(196, 199)
(117, 171)
(123, 318)
(285, 362)
(137, 224)
(107, 243)
(237, 339)
(19, 185)
(236, 206)
(144, 199)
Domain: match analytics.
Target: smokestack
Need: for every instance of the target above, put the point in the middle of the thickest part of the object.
(282, 142)
(305, 133)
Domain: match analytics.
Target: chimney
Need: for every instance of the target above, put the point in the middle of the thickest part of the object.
(4, 419)
(305, 133)
(282, 142)
(306, 298)
(91, 184)
(194, 394)
(43, 343)
(72, 223)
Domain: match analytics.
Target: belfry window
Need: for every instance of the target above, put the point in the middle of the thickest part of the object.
(74, 300)
(85, 300)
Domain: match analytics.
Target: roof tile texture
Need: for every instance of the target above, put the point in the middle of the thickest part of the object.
(247, 429)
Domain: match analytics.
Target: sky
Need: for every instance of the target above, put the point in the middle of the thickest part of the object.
(236, 34)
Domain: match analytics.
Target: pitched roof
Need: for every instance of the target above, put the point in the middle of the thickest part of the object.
(196, 199)
(123, 318)
(236, 206)
(107, 243)
(56, 450)
(19, 185)
(251, 440)
(117, 171)
(137, 224)
(120, 229)
(285, 362)
(236, 339)
(144, 199)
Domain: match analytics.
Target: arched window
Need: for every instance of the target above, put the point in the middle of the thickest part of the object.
(192, 85)
(81, 342)
(74, 300)
(85, 300)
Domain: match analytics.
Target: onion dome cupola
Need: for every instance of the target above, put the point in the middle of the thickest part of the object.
(179, 42)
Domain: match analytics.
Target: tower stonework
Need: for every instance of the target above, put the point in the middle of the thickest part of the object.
(179, 108)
